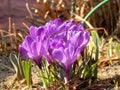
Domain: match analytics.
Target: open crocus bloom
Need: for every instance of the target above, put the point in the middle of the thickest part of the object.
(56, 41)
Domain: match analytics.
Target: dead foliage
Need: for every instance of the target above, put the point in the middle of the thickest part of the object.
(46, 10)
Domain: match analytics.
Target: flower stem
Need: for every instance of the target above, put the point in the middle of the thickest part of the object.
(66, 80)
(95, 9)
(66, 77)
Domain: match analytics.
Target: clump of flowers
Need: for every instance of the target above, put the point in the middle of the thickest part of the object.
(56, 41)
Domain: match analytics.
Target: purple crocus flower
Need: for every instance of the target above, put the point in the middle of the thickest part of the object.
(32, 45)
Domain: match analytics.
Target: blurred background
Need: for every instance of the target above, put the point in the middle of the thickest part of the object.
(37, 12)
(16, 9)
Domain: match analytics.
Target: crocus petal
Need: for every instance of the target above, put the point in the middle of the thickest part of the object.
(52, 26)
(40, 32)
(85, 39)
(82, 44)
(23, 51)
(26, 44)
(34, 49)
(70, 54)
(80, 27)
(58, 21)
(70, 23)
(26, 53)
(59, 56)
(28, 41)
(33, 31)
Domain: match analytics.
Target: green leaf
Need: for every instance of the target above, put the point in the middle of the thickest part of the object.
(117, 49)
(95, 66)
(27, 71)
